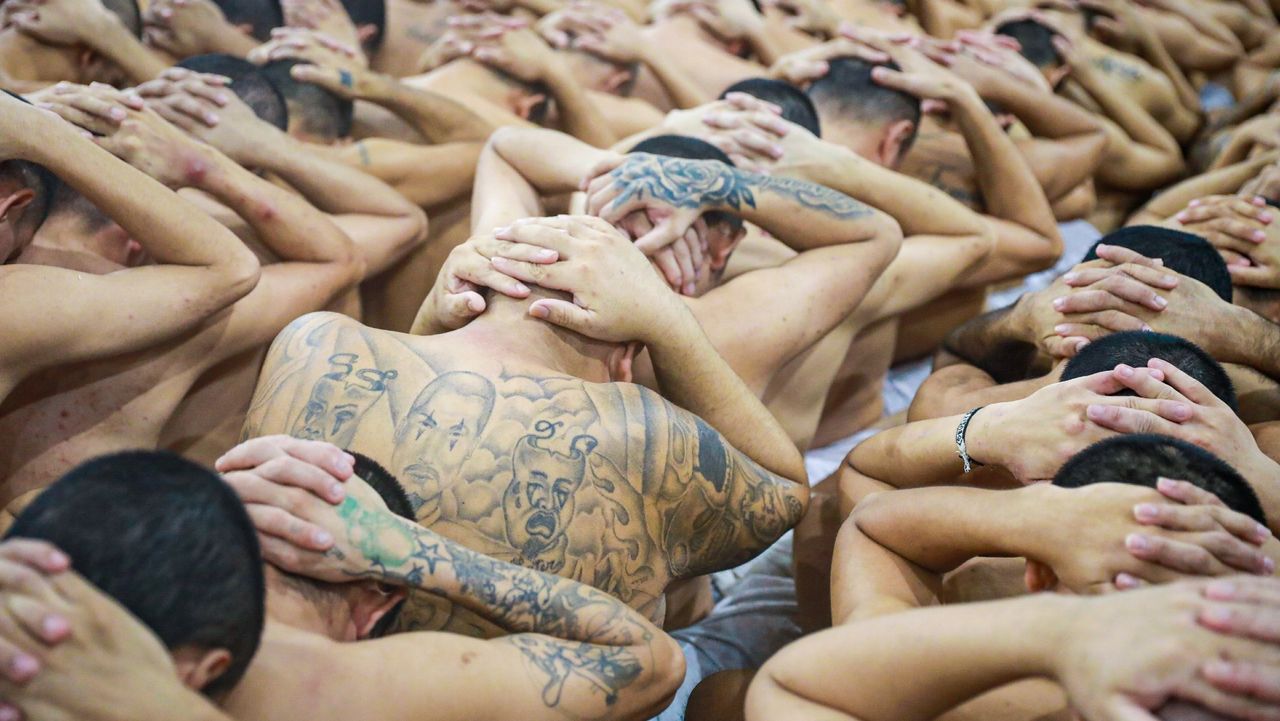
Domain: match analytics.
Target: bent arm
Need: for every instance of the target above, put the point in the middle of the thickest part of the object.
(56, 316)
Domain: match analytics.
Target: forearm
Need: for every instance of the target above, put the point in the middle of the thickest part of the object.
(1154, 50)
(801, 214)
(114, 42)
(914, 455)
(1246, 338)
(169, 228)
(551, 161)
(331, 186)
(1136, 123)
(578, 115)
(694, 376)
(501, 193)
(1224, 181)
(1046, 115)
(520, 600)
(919, 208)
(425, 175)
(684, 93)
(912, 666)
(941, 528)
(1009, 188)
(440, 119)
(284, 222)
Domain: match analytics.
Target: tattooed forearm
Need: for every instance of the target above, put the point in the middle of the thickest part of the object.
(606, 669)
(521, 600)
(711, 184)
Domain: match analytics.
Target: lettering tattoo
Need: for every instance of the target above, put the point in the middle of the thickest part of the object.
(605, 484)
(707, 183)
(601, 636)
(363, 150)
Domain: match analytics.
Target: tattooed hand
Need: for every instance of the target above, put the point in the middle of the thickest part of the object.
(675, 192)
(617, 296)
(302, 533)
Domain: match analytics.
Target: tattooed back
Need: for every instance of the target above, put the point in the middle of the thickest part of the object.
(605, 483)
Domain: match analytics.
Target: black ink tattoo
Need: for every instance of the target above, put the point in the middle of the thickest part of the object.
(708, 183)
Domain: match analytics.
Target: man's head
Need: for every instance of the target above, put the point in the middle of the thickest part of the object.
(1142, 460)
(256, 18)
(26, 195)
(873, 121)
(315, 114)
(361, 609)
(1135, 348)
(796, 106)
(78, 62)
(1036, 41)
(247, 82)
(172, 543)
(1183, 253)
(724, 230)
(370, 18)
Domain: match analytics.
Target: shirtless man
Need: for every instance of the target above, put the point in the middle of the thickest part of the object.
(842, 246)
(922, 663)
(124, 402)
(524, 441)
(306, 646)
(80, 41)
(54, 316)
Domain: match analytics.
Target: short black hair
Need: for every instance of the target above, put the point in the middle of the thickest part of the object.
(262, 16)
(1183, 253)
(167, 539)
(1135, 348)
(1141, 460)
(318, 111)
(369, 12)
(129, 14)
(1036, 40)
(397, 499)
(690, 148)
(796, 106)
(849, 91)
(247, 82)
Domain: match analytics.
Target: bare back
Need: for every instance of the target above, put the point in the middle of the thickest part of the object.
(605, 483)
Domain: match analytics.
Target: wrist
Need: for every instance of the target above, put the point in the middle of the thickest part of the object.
(982, 441)
(272, 153)
(1232, 338)
(105, 28)
(674, 328)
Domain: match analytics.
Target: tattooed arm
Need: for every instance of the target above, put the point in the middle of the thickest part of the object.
(578, 653)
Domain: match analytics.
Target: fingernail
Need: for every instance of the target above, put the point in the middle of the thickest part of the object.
(58, 558)
(1262, 533)
(1165, 484)
(1217, 615)
(24, 666)
(1145, 512)
(1125, 582)
(1058, 303)
(1220, 591)
(1258, 236)
(1146, 328)
(1268, 566)
(1217, 669)
(1060, 329)
(116, 114)
(522, 288)
(1124, 371)
(1070, 277)
(1194, 203)
(321, 538)
(1181, 217)
(1081, 345)
(210, 119)
(1137, 542)
(221, 99)
(538, 311)
(1264, 217)
(337, 492)
(1161, 302)
(54, 626)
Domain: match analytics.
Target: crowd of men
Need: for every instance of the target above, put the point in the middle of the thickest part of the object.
(771, 360)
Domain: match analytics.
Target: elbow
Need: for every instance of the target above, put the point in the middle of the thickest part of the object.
(240, 274)
(502, 138)
(667, 676)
